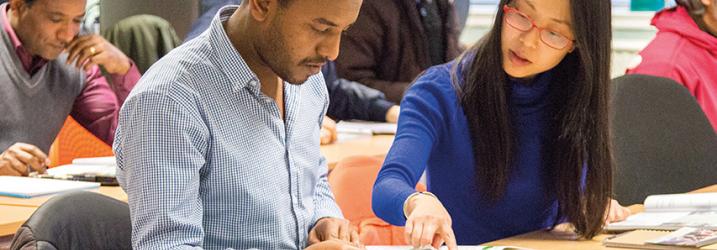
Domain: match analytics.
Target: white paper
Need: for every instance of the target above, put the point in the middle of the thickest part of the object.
(109, 160)
(365, 127)
(82, 170)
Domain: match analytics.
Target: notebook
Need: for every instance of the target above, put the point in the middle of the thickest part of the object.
(640, 239)
(26, 187)
(671, 212)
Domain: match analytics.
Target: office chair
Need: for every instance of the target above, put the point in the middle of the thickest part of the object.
(352, 183)
(75, 141)
(663, 143)
(77, 220)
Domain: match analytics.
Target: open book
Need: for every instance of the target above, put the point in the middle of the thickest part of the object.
(671, 212)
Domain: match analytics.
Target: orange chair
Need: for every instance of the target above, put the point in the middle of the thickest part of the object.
(352, 182)
(74, 141)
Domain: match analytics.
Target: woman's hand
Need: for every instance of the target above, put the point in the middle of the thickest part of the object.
(428, 223)
(615, 212)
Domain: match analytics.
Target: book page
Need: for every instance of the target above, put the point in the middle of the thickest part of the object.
(681, 202)
(646, 220)
(666, 221)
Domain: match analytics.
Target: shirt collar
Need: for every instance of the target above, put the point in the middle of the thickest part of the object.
(228, 58)
(29, 62)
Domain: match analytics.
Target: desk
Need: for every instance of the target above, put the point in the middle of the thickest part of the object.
(15, 211)
(548, 240)
(12, 218)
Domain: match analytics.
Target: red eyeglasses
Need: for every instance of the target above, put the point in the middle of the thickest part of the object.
(522, 22)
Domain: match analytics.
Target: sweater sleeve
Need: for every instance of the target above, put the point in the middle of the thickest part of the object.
(420, 124)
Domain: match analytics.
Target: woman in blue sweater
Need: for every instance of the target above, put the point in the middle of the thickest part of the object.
(514, 134)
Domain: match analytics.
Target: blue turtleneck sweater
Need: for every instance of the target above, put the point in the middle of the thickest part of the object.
(433, 135)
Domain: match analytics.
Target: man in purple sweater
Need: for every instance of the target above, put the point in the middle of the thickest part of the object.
(48, 72)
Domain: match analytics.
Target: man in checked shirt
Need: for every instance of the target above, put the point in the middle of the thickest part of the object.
(218, 145)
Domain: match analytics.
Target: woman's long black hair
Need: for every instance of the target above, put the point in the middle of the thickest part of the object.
(580, 135)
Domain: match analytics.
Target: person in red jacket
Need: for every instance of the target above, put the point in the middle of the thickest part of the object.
(685, 50)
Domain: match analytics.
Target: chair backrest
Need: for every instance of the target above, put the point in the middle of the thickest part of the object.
(663, 141)
(352, 183)
(143, 38)
(74, 141)
(77, 220)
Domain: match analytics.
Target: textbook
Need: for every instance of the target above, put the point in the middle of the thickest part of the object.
(646, 239)
(671, 212)
(26, 187)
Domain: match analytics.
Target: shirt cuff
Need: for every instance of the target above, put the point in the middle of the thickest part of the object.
(378, 110)
(326, 212)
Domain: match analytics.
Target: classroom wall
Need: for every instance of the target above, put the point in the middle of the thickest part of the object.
(180, 13)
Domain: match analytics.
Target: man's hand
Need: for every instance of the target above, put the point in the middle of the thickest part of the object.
(333, 228)
(90, 50)
(21, 158)
(328, 131)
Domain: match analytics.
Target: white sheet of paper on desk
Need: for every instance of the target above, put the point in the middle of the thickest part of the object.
(109, 160)
(82, 170)
(26, 187)
(446, 248)
(377, 128)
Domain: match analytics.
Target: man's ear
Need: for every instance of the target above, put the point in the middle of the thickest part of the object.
(261, 9)
(18, 5)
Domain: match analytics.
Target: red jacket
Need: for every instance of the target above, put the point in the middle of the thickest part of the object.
(686, 54)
